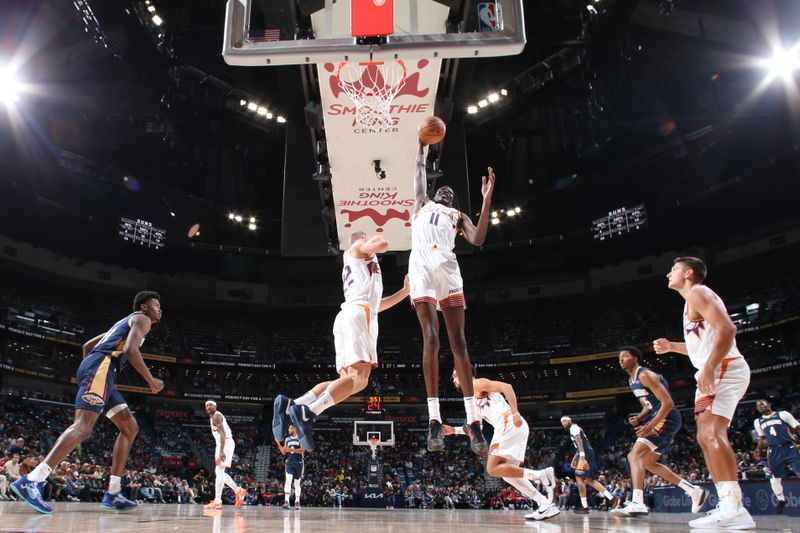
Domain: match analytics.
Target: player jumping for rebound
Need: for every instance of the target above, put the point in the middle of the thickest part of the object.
(355, 333)
(584, 464)
(775, 430)
(103, 358)
(436, 284)
(497, 404)
(294, 467)
(722, 380)
(656, 426)
(223, 456)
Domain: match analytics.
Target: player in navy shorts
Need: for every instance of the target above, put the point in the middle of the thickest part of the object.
(775, 430)
(103, 358)
(295, 466)
(584, 464)
(656, 426)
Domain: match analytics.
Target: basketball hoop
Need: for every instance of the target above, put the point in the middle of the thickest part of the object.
(373, 445)
(372, 86)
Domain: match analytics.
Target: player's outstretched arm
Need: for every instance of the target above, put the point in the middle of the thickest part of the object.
(476, 235)
(367, 248)
(89, 345)
(663, 346)
(650, 380)
(140, 326)
(396, 298)
(420, 179)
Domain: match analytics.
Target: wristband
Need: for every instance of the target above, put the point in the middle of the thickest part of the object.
(581, 454)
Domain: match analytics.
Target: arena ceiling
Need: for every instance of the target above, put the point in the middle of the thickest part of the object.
(631, 102)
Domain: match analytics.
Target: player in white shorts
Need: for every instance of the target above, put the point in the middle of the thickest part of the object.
(223, 456)
(355, 332)
(497, 405)
(722, 379)
(436, 284)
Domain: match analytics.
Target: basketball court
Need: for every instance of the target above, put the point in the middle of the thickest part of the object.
(88, 518)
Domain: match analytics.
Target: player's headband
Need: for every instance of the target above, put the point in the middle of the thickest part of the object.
(566, 418)
(211, 402)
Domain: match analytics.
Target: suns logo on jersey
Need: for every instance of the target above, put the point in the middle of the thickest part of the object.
(697, 328)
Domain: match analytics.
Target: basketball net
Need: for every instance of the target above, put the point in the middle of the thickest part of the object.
(372, 86)
(373, 445)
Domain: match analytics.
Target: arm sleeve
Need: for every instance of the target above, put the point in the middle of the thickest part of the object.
(787, 417)
(758, 428)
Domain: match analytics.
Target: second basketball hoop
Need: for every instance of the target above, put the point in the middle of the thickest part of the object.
(372, 86)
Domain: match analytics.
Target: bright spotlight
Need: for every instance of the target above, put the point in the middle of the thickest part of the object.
(783, 62)
(151, 9)
(252, 220)
(269, 115)
(494, 214)
(252, 106)
(281, 119)
(262, 111)
(472, 109)
(238, 218)
(242, 103)
(231, 216)
(158, 21)
(517, 209)
(503, 92)
(9, 87)
(251, 227)
(495, 221)
(483, 103)
(511, 213)
(493, 97)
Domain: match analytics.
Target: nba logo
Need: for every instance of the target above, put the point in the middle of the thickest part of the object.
(487, 16)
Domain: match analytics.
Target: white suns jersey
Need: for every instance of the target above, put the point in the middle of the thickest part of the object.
(362, 281)
(228, 434)
(495, 410)
(699, 338)
(435, 224)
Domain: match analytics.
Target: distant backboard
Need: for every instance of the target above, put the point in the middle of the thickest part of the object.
(257, 35)
(363, 430)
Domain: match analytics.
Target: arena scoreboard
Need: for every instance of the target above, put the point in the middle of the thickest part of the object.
(142, 233)
(619, 222)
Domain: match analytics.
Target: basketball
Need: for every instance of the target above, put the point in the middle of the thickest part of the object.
(431, 130)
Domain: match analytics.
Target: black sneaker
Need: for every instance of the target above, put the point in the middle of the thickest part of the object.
(435, 438)
(581, 510)
(477, 442)
(779, 506)
(303, 420)
(280, 420)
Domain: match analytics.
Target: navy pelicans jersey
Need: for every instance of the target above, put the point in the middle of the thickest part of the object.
(293, 443)
(775, 428)
(575, 433)
(112, 343)
(645, 395)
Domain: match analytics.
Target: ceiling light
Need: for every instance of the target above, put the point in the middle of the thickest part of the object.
(251, 227)
(495, 221)
(472, 109)
(158, 21)
(281, 119)
(493, 97)
(238, 218)
(242, 103)
(503, 92)
(510, 213)
(151, 9)
(252, 220)
(252, 106)
(9, 87)
(494, 214)
(483, 103)
(269, 115)
(517, 209)
(231, 216)
(262, 111)
(783, 62)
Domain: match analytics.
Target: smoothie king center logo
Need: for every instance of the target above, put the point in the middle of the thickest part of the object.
(371, 72)
(380, 205)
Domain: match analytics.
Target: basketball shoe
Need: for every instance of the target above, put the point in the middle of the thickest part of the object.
(280, 420)
(303, 419)
(477, 442)
(435, 438)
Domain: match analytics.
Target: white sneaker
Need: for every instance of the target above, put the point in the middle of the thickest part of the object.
(630, 509)
(739, 519)
(550, 485)
(699, 497)
(543, 513)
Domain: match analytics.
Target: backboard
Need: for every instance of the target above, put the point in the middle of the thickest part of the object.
(363, 430)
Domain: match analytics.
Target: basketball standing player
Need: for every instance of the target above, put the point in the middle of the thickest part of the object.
(497, 404)
(294, 467)
(355, 333)
(722, 379)
(223, 457)
(103, 358)
(656, 426)
(436, 284)
(775, 434)
(584, 464)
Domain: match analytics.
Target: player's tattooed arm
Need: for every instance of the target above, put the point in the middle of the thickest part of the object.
(420, 179)
(217, 419)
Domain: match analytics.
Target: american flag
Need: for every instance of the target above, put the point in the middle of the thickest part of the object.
(265, 35)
